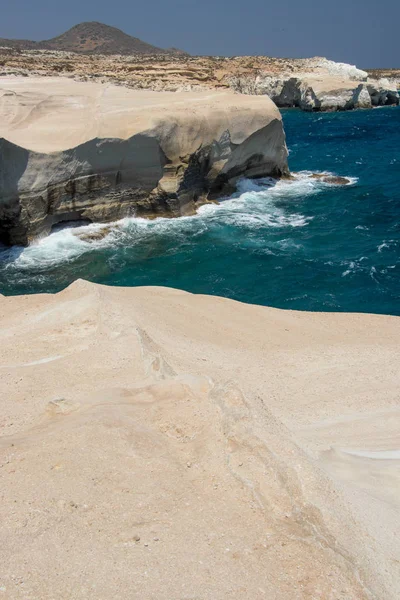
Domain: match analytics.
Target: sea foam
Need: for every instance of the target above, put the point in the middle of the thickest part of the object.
(256, 205)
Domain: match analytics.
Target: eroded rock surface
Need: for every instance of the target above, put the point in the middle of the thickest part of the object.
(159, 444)
(81, 151)
(332, 179)
(318, 93)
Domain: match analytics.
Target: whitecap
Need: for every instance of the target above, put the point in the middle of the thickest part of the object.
(351, 267)
(382, 246)
(58, 247)
(372, 273)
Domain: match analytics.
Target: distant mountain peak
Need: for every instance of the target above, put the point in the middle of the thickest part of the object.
(92, 37)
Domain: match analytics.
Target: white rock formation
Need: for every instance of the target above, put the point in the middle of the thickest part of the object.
(383, 91)
(328, 94)
(325, 86)
(73, 150)
(156, 444)
(336, 69)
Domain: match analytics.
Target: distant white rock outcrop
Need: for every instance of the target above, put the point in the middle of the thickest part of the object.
(383, 92)
(338, 69)
(321, 84)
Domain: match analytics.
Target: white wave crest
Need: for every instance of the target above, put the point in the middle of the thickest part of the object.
(258, 204)
(61, 246)
(387, 245)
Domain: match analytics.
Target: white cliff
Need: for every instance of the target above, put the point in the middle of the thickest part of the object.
(71, 151)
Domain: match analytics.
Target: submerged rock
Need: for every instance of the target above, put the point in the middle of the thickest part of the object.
(333, 179)
(94, 235)
(98, 152)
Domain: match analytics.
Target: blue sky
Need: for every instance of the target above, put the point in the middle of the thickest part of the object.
(362, 32)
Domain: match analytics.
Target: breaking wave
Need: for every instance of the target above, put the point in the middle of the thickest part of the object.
(262, 203)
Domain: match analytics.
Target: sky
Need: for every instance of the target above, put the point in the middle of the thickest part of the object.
(361, 32)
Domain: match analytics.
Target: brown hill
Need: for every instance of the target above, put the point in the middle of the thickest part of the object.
(92, 38)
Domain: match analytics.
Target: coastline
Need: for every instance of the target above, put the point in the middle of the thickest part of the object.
(129, 152)
(199, 347)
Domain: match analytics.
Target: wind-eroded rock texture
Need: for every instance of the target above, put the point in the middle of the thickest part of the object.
(72, 151)
(158, 444)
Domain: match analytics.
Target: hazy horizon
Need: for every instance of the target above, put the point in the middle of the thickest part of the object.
(359, 33)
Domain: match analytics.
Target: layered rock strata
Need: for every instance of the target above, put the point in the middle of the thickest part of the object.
(81, 151)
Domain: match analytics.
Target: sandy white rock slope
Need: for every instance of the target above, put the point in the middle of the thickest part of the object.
(158, 444)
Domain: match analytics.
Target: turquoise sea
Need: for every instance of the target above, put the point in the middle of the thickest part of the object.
(299, 244)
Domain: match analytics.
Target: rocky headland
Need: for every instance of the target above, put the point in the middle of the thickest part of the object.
(159, 444)
(99, 152)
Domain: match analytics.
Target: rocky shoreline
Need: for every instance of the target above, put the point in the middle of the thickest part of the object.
(154, 144)
(129, 152)
(311, 93)
(314, 84)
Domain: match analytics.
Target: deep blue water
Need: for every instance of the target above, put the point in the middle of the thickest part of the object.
(301, 244)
